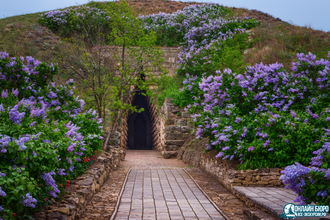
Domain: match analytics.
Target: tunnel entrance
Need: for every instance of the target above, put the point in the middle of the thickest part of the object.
(139, 135)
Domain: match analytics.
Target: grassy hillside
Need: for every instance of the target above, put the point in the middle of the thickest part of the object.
(276, 41)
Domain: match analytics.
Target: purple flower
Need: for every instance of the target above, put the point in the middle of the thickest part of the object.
(71, 148)
(4, 94)
(294, 115)
(322, 193)
(286, 141)
(15, 92)
(219, 154)
(71, 168)
(34, 153)
(15, 115)
(32, 124)
(28, 201)
(2, 109)
(50, 182)
(251, 148)
(52, 95)
(69, 160)
(61, 172)
(237, 120)
(2, 193)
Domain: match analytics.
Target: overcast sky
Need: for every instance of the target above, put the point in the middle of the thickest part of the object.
(299, 12)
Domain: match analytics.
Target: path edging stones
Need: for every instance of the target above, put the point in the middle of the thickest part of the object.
(83, 188)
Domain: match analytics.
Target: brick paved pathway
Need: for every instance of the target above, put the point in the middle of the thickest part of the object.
(164, 194)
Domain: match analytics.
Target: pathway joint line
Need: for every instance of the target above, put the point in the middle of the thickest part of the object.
(120, 195)
(215, 206)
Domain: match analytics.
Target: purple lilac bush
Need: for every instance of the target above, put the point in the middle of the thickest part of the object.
(75, 19)
(195, 25)
(268, 117)
(44, 134)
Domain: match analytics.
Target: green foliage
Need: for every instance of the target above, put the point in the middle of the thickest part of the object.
(167, 87)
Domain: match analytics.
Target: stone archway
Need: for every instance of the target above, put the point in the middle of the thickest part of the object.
(139, 134)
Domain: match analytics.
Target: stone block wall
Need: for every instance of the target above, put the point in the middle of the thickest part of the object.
(174, 128)
(170, 55)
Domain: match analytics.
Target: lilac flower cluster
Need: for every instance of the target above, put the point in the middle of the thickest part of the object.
(29, 201)
(294, 176)
(73, 18)
(50, 182)
(183, 20)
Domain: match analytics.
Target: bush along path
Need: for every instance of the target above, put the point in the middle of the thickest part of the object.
(46, 140)
(268, 117)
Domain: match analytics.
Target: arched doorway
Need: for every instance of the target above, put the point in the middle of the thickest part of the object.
(139, 135)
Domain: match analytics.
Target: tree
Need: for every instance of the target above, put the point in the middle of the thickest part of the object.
(112, 64)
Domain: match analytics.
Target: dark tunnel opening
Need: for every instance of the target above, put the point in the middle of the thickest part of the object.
(139, 136)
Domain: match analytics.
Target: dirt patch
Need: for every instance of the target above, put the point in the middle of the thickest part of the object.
(148, 159)
(225, 200)
(103, 203)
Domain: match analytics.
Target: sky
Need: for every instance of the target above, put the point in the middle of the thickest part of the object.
(298, 12)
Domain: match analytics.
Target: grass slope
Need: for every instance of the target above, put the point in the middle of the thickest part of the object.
(275, 40)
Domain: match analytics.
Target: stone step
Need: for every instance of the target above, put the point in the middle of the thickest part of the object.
(255, 214)
(171, 147)
(175, 142)
(169, 154)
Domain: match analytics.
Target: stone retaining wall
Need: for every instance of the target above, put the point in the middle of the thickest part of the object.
(193, 152)
(174, 128)
(83, 189)
(170, 55)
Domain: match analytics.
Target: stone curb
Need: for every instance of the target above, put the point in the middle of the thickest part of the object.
(83, 189)
(253, 203)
